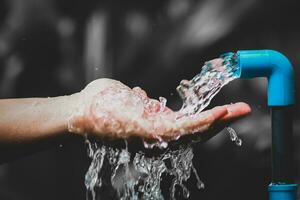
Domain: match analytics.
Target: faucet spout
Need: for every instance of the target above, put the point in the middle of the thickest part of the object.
(275, 67)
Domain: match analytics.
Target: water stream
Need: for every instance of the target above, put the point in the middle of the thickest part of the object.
(117, 173)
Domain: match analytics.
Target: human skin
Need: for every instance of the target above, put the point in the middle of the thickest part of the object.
(105, 108)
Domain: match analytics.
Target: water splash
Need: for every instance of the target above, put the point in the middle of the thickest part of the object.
(116, 173)
(215, 74)
(138, 175)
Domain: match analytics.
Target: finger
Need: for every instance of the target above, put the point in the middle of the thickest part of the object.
(201, 122)
(151, 105)
(142, 93)
(215, 120)
(236, 111)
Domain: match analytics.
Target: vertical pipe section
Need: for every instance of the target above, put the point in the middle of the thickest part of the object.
(282, 148)
(281, 96)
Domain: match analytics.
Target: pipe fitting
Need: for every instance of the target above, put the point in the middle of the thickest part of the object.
(275, 67)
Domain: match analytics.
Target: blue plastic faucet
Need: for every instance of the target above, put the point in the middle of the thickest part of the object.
(281, 97)
(273, 65)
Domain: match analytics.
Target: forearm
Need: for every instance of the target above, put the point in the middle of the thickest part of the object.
(27, 125)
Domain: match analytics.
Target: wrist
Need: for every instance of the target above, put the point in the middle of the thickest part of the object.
(75, 113)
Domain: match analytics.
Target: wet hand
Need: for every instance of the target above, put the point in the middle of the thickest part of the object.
(109, 109)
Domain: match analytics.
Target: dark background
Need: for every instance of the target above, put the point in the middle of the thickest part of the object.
(52, 47)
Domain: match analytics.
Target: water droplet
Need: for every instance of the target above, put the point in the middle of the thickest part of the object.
(233, 136)
(186, 193)
(238, 142)
(200, 185)
(163, 102)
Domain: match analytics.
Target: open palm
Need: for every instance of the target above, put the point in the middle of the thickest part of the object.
(108, 108)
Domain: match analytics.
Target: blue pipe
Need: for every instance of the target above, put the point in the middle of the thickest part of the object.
(273, 65)
(281, 96)
(283, 191)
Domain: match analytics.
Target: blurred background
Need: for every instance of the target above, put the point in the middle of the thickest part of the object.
(52, 47)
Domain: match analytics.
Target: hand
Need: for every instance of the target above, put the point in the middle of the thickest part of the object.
(107, 108)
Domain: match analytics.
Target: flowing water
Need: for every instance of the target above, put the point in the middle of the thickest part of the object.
(117, 173)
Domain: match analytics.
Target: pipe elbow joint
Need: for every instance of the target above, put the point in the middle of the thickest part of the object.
(275, 67)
